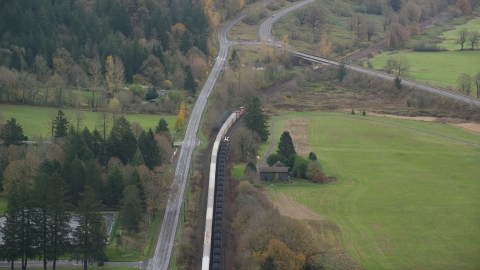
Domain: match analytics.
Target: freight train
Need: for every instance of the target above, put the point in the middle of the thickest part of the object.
(212, 244)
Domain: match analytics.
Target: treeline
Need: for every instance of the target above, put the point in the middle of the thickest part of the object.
(48, 46)
(83, 171)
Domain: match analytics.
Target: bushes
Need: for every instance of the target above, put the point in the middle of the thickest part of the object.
(422, 47)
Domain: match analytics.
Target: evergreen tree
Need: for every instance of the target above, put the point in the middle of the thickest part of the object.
(97, 145)
(190, 84)
(1, 177)
(251, 167)
(149, 148)
(60, 125)
(285, 145)
(93, 178)
(341, 72)
(12, 133)
(396, 5)
(76, 147)
(90, 237)
(312, 156)
(121, 142)
(114, 188)
(256, 120)
(269, 264)
(162, 126)
(136, 180)
(51, 221)
(137, 159)
(74, 176)
(10, 230)
(131, 213)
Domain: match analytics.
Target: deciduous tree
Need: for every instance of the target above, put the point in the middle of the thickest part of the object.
(462, 37)
(464, 83)
(473, 39)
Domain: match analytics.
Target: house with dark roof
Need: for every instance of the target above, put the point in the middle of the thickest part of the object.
(278, 170)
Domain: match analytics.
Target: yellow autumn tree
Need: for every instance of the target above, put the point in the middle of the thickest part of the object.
(212, 15)
(178, 29)
(241, 3)
(325, 43)
(109, 67)
(181, 117)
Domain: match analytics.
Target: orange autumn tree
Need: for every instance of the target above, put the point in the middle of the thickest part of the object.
(181, 117)
(109, 73)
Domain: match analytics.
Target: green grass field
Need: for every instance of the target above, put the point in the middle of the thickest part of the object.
(451, 35)
(404, 199)
(33, 119)
(438, 68)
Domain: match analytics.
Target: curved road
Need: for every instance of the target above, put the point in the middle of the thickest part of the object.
(265, 31)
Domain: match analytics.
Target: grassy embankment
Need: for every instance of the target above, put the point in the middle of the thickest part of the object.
(106, 267)
(439, 68)
(404, 199)
(33, 119)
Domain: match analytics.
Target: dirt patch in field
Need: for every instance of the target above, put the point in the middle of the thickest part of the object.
(475, 127)
(298, 131)
(291, 208)
(416, 118)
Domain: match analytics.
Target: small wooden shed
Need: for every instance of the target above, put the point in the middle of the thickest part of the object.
(269, 173)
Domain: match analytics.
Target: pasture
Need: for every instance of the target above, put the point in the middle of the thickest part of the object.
(451, 35)
(34, 119)
(437, 68)
(405, 199)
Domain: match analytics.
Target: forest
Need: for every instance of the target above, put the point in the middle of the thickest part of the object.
(48, 47)
(79, 172)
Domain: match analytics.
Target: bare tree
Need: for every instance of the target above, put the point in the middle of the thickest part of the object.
(301, 16)
(387, 17)
(370, 29)
(397, 35)
(462, 36)
(402, 65)
(103, 121)
(95, 72)
(58, 83)
(153, 70)
(473, 38)
(464, 82)
(118, 74)
(352, 22)
(79, 117)
(244, 142)
(316, 17)
(40, 67)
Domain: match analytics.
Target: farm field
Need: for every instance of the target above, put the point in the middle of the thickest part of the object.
(451, 35)
(404, 200)
(438, 68)
(33, 119)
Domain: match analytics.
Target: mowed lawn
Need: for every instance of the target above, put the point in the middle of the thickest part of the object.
(34, 119)
(404, 199)
(438, 68)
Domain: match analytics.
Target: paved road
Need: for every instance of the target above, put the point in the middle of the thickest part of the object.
(265, 31)
(163, 250)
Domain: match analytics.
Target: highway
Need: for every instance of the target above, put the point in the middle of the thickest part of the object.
(164, 247)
